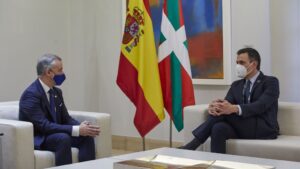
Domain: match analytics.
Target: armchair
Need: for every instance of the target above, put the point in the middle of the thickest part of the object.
(17, 143)
(285, 147)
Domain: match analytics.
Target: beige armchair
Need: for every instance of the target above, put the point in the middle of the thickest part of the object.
(17, 143)
(285, 147)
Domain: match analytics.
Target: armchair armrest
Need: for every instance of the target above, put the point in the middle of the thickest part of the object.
(193, 117)
(17, 144)
(103, 141)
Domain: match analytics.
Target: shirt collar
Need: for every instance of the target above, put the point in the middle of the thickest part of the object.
(45, 87)
(253, 79)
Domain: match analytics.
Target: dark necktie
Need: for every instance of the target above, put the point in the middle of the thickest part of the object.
(247, 92)
(52, 104)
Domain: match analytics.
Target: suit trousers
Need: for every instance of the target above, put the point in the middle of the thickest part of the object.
(221, 128)
(61, 143)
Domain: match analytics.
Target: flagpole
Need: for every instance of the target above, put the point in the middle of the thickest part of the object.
(170, 139)
(144, 146)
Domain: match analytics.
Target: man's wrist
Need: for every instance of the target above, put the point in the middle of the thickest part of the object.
(235, 109)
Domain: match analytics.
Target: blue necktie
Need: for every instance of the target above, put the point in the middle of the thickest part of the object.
(52, 104)
(247, 92)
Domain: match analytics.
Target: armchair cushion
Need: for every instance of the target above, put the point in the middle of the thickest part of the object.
(9, 112)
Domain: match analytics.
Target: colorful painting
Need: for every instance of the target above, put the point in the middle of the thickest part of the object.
(204, 29)
(203, 21)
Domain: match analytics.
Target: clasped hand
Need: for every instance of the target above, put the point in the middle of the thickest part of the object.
(221, 107)
(87, 129)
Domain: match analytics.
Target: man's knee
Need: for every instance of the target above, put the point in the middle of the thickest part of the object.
(90, 139)
(219, 130)
(87, 139)
(87, 149)
(90, 142)
(64, 140)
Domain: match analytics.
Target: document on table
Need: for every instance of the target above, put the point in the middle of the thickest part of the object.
(166, 162)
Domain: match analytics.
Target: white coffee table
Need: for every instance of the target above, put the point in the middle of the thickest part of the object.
(107, 163)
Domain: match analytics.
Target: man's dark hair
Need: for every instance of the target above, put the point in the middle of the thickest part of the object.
(253, 55)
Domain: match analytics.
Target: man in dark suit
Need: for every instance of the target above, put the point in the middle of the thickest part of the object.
(55, 130)
(249, 110)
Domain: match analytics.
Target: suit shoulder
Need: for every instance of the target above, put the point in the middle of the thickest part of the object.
(271, 78)
(31, 96)
(31, 90)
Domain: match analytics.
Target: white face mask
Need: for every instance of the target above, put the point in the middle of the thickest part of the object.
(241, 71)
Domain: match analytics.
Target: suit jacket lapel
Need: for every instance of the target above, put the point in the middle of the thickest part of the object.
(241, 90)
(44, 96)
(57, 101)
(257, 82)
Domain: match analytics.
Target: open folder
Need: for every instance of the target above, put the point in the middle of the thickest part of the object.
(169, 162)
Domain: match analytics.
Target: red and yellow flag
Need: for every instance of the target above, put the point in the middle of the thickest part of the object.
(138, 74)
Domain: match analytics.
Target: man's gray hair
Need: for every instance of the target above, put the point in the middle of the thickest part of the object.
(46, 62)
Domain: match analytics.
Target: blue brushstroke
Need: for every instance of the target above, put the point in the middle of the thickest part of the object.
(209, 14)
(199, 16)
(156, 14)
(219, 18)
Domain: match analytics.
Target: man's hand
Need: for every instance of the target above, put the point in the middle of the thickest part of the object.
(226, 108)
(213, 107)
(222, 107)
(87, 129)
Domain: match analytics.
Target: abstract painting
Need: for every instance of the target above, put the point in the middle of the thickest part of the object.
(207, 24)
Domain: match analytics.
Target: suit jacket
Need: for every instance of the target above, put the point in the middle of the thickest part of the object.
(34, 107)
(263, 104)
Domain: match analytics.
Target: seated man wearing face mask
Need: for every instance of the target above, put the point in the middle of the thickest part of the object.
(55, 130)
(249, 110)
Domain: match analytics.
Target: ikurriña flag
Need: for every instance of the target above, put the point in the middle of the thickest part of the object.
(138, 74)
(174, 63)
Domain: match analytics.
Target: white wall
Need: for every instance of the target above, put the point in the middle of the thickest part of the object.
(27, 30)
(30, 28)
(285, 28)
(87, 34)
(251, 27)
(81, 64)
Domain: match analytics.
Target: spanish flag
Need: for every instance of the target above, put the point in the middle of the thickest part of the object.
(138, 74)
(174, 63)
